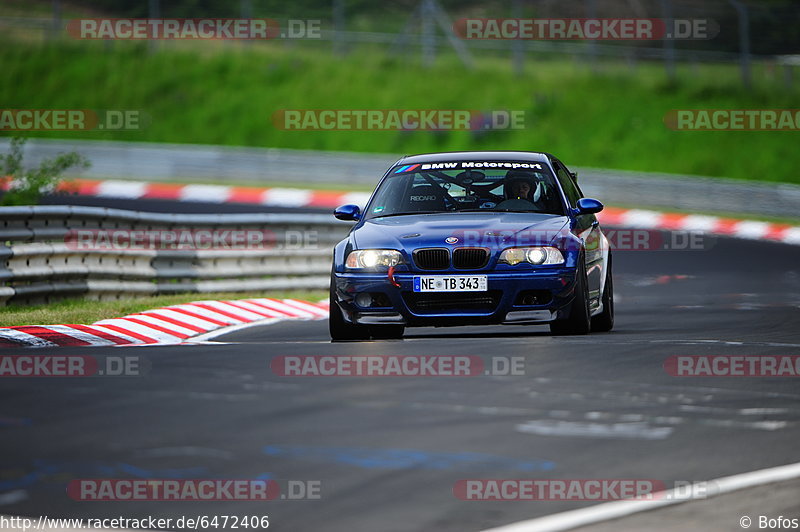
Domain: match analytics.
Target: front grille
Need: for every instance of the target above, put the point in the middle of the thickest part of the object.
(470, 258)
(432, 258)
(455, 302)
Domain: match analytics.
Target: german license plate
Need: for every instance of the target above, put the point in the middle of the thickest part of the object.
(450, 283)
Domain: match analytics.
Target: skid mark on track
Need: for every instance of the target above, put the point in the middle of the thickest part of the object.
(6, 421)
(575, 419)
(57, 472)
(372, 458)
(185, 451)
(13, 497)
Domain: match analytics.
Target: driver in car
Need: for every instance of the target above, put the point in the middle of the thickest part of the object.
(519, 189)
(518, 186)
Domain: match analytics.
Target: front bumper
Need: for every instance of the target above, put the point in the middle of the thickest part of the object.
(505, 301)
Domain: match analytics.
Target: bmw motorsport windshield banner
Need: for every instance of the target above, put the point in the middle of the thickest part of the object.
(503, 165)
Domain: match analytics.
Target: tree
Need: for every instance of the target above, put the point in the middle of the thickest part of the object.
(26, 186)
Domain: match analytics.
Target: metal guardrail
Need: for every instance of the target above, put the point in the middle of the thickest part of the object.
(192, 163)
(38, 264)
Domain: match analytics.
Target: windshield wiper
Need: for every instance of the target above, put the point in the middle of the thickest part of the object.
(499, 210)
(526, 212)
(410, 214)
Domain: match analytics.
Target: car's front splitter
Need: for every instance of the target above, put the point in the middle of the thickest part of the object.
(393, 306)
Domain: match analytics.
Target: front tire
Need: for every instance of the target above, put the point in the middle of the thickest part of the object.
(604, 321)
(339, 329)
(578, 321)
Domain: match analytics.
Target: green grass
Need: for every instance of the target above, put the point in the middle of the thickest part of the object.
(226, 93)
(87, 311)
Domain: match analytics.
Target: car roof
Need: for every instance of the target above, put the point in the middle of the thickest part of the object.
(539, 157)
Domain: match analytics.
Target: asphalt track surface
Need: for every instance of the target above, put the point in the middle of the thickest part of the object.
(388, 450)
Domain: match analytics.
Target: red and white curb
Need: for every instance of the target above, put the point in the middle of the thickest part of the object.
(168, 325)
(295, 197)
(272, 197)
(749, 229)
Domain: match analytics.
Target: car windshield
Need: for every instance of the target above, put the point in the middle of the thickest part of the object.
(504, 186)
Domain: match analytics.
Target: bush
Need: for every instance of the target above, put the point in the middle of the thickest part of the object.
(26, 186)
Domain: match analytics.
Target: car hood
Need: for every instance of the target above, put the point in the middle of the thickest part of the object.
(494, 231)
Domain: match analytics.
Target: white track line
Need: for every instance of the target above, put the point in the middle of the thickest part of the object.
(616, 509)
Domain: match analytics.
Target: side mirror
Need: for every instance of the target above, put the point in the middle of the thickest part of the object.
(588, 206)
(348, 212)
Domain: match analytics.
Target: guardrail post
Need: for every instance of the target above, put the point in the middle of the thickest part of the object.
(517, 50)
(591, 8)
(56, 30)
(427, 37)
(246, 12)
(744, 41)
(153, 11)
(669, 44)
(338, 16)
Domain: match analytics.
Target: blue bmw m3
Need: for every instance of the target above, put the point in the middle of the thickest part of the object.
(469, 238)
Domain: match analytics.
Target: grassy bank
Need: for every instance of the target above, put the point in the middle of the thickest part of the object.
(226, 93)
(86, 311)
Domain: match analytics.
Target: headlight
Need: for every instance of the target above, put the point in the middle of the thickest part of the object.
(373, 259)
(536, 256)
